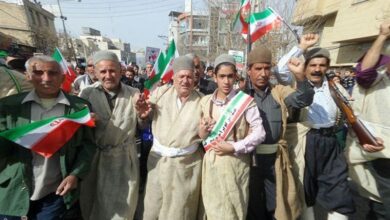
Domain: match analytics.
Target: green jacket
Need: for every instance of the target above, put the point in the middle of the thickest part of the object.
(16, 161)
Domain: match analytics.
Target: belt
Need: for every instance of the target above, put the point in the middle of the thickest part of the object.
(266, 148)
(325, 131)
(105, 147)
(165, 151)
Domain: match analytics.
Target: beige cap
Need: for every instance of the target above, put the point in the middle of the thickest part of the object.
(104, 55)
(224, 58)
(182, 63)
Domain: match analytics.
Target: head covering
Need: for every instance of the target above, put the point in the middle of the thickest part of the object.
(317, 52)
(260, 54)
(182, 63)
(104, 55)
(224, 58)
(190, 55)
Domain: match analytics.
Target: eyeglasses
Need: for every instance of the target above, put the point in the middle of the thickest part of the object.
(90, 65)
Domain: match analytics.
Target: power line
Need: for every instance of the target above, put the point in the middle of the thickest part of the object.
(140, 12)
(113, 9)
(82, 3)
(133, 5)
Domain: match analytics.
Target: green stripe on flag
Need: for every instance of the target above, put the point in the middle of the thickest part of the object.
(261, 15)
(57, 56)
(163, 61)
(17, 132)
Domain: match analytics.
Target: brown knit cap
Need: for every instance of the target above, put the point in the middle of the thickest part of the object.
(260, 54)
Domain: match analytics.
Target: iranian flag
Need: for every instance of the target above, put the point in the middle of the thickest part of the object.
(47, 136)
(262, 22)
(162, 69)
(70, 75)
(241, 21)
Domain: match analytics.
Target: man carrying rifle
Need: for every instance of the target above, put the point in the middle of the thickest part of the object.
(369, 163)
(318, 158)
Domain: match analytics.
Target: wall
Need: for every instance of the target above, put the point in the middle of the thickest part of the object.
(15, 23)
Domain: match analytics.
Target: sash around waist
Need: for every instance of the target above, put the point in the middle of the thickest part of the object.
(267, 148)
(165, 151)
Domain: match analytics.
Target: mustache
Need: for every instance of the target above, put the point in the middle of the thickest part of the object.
(316, 73)
(262, 78)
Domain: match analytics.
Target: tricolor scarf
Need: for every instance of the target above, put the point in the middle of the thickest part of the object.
(228, 119)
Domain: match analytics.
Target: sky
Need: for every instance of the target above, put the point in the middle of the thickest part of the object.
(138, 22)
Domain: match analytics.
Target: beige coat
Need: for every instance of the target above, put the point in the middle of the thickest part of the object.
(12, 82)
(225, 179)
(372, 106)
(288, 202)
(173, 183)
(110, 191)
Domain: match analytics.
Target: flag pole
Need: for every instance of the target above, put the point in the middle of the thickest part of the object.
(251, 91)
(293, 31)
(248, 49)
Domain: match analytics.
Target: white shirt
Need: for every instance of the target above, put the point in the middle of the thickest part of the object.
(281, 71)
(46, 171)
(323, 111)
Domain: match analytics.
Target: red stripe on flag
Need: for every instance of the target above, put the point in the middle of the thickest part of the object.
(70, 76)
(167, 76)
(57, 138)
(261, 32)
(146, 93)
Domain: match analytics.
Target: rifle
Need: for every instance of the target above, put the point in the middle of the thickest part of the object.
(363, 134)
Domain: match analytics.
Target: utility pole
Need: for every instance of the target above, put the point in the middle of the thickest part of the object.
(191, 23)
(63, 18)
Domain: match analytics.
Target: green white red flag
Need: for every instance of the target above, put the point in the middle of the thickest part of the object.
(230, 115)
(263, 22)
(162, 70)
(70, 75)
(242, 17)
(47, 136)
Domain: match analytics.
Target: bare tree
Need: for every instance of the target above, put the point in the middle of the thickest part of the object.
(45, 40)
(279, 40)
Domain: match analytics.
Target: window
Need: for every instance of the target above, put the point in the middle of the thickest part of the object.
(46, 21)
(38, 19)
(32, 17)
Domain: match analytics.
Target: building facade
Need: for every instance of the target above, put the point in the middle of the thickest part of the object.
(29, 24)
(92, 41)
(347, 27)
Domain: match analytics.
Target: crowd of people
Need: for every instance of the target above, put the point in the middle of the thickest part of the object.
(207, 145)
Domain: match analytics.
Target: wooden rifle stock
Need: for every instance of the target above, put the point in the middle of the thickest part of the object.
(363, 134)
